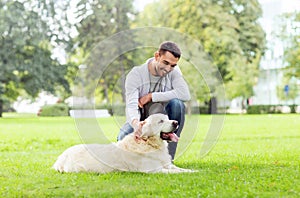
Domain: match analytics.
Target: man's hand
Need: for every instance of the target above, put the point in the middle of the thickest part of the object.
(137, 127)
(145, 99)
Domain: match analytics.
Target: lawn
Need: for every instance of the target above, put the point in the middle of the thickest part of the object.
(255, 156)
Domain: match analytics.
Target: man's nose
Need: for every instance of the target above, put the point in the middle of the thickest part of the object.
(169, 68)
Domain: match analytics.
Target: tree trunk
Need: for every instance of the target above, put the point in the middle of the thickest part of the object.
(213, 106)
(121, 58)
(1, 107)
(106, 93)
(123, 80)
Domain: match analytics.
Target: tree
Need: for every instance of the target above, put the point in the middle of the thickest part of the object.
(227, 29)
(289, 34)
(287, 90)
(100, 19)
(25, 54)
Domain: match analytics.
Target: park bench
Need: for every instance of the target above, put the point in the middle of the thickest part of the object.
(89, 113)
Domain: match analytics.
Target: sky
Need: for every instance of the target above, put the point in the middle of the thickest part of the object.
(273, 8)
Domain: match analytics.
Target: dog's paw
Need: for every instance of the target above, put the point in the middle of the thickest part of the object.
(175, 169)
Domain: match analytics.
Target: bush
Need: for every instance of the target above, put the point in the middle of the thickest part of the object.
(60, 109)
(199, 109)
(268, 109)
(261, 109)
(205, 110)
(7, 106)
(293, 108)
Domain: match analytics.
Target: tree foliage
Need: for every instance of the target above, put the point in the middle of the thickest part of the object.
(32, 29)
(287, 89)
(289, 33)
(228, 30)
(25, 54)
(99, 19)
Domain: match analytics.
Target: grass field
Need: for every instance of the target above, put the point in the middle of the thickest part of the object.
(256, 156)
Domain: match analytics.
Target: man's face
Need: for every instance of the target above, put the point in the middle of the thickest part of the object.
(165, 63)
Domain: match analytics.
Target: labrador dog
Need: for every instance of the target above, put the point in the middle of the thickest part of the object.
(147, 153)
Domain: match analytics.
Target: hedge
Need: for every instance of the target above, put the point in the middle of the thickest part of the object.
(268, 109)
(59, 109)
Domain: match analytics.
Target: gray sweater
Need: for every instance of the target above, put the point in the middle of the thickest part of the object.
(137, 85)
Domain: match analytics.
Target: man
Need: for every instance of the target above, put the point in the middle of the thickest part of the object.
(158, 81)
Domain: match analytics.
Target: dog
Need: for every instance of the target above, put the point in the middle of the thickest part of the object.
(147, 153)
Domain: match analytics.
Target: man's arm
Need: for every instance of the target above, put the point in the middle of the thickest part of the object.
(178, 90)
(132, 84)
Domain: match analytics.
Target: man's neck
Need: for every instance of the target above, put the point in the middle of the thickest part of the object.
(151, 68)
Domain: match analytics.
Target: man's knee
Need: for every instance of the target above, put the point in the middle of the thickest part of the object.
(176, 104)
(125, 130)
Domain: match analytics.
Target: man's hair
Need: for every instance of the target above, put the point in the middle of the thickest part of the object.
(170, 47)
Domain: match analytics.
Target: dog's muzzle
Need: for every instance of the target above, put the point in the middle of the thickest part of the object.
(170, 136)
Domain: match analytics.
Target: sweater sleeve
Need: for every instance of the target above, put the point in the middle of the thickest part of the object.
(132, 95)
(178, 89)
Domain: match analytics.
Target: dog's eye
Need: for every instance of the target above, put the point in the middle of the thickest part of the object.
(161, 121)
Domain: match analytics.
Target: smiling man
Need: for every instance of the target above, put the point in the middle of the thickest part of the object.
(157, 86)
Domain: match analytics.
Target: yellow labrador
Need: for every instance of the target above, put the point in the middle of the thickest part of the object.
(148, 154)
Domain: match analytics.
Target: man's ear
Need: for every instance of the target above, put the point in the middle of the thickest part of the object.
(156, 55)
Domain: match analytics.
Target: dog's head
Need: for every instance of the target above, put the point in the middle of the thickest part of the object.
(160, 125)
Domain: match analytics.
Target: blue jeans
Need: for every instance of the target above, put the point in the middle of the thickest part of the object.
(176, 111)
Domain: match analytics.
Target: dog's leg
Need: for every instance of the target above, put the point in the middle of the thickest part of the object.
(174, 169)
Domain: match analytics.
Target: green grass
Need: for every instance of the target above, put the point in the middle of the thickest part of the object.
(256, 156)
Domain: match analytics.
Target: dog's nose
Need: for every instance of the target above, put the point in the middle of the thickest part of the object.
(175, 123)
